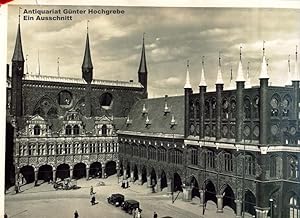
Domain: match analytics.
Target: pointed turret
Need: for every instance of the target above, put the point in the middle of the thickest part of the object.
(296, 76)
(143, 72)
(219, 75)
(231, 82)
(202, 78)
(289, 76)
(264, 68)
(240, 72)
(187, 79)
(18, 52)
(87, 65)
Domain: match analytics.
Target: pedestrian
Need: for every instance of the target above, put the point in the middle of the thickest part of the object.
(76, 215)
(93, 200)
(155, 215)
(138, 215)
(5, 215)
(92, 190)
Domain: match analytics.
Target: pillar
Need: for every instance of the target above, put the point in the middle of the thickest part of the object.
(103, 173)
(187, 193)
(140, 179)
(169, 186)
(261, 212)
(187, 92)
(149, 182)
(87, 173)
(36, 177)
(17, 180)
(202, 197)
(219, 89)
(219, 203)
(202, 90)
(239, 111)
(132, 176)
(158, 185)
(71, 172)
(238, 208)
(54, 174)
(124, 174)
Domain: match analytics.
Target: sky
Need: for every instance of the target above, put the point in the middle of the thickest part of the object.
(172, 36)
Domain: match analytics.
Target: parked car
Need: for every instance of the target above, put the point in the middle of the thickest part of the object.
(130, 205)
(116, 199)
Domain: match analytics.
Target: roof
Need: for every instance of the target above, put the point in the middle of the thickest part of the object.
(18, 52)
(159, 121)
(87, 60)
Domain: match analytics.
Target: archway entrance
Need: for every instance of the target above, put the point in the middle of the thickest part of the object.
(79, 171)
(144, 175)
(111, 168)
(210, 192)
(177, 183)
(195, 187)
(63, 171)
(250, 202)
(163, 180)
(135, 173)
(96, 170)
(45, 173)
(228, 199)
(28, 173)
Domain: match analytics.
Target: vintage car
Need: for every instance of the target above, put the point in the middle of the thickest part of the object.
(130, 205)
(66, 184)
(116, 199)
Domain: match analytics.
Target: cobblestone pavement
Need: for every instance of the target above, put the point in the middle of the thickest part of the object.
(45, 202)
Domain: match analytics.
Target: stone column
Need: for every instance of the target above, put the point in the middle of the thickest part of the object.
(54, 175)
(71, 172)
(187, 193)
(149, 182)
(132, 176)
(124, 174)
(169, 187)
(17, 180)
(219, 203)
(103, 173)
(158, 185)
(202, 197)
(87, 173)
(261, 212)
(238, 208)
(140, 179)
(36, 171)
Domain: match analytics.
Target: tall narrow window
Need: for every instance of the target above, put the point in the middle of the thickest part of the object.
(76, 130)
(293, 167)
(210, 159)
(152, 153)
(162, 154)
(228, 162)
(36, 130)
(194, 156)
(294, 207)
(68, 130)
(249, 165)
(104, 130)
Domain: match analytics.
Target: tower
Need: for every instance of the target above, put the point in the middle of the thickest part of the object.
(17, 75)
(219, 90)
(87, 74)
(143, 72)
(202, 90)
(187, 93)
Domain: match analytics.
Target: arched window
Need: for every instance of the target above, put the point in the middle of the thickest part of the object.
(207, 109)
(68, 130)
(143, 151)
(275, 106)
(250, 165)
(293, 167)
(210, 159)
(228, 162)
(76, 130)
(175, 156)
(162, 154)
(194, 156)
(104, 130)
(294, 207)
(64, 98)
(152, 152)
(225, 109)
(256, 107)
(286, 105)
(273, 167)
(106, 99)
(214, 108)
(232, 109)
(247, 108)
(36, 130)
(135, 150)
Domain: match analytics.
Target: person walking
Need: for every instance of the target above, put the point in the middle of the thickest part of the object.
(76, 215)
(154, 215)
(92, 190)
(93, 200)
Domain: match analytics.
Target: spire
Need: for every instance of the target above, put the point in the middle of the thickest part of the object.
(289, 79)
(202, 79)
(264, 68)
(187, 80)
(232, 82)
(18, 52)
(219, 75)
(143, 65)
(296, 73)
(240, 73)
(248, 80)
(87, 60)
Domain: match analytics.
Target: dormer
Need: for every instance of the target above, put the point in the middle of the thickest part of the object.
(147, 122)
(166, 107)
(128, 121)
(173, 122)
(72, 124)
(36, 126)
(144, 110)
(104, 126)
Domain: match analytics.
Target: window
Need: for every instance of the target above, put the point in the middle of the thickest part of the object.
(247, 108)
(225, 108)
(274, 106)
(256, 107)
(249, 165)
(106, 99)
(77, 149)
(228, 162)
(294, 207)
(135, 150)
(76, 130)
(232, 110)
(194, 156)
(214, 108)
(273, 166)
(64, 98)
(207, 109)
(152, 153)
(162, 154)
(104, 130)
(67, 149)
(41, 150)
(59, 149)
(22, 150)
(175, 156)
(286, 104)
(31, 149)
(143, 151)
(210, 160)
(293, 167)
(36, 130)
(68, 130)
(51, 150)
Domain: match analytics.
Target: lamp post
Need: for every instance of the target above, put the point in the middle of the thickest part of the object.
(271, 207)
